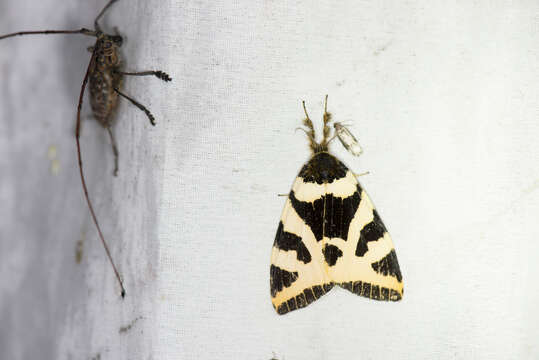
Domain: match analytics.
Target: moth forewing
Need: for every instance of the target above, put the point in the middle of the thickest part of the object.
(347, 139)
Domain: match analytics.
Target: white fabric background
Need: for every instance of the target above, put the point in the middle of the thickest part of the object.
(443, 97)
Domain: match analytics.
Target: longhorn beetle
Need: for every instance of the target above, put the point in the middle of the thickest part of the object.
(104, 75)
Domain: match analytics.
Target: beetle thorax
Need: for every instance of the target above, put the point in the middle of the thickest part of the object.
(107, 51)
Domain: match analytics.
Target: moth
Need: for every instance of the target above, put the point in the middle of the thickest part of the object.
(330, 234)
(347, 139)
(104, 75)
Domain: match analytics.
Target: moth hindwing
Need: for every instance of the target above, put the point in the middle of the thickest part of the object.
(330, 234)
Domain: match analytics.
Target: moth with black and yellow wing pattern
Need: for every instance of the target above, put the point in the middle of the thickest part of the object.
(330, 234)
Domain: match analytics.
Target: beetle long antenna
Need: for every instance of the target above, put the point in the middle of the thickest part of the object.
(327, 120)
(90, 207)
(96, 24)
(114, 150)
(82, 31)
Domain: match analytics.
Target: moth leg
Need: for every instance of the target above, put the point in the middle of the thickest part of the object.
(114, 150)
(157, 73)
(139, 105)
(96, 21)
(361, 174)
(309, 135)
(332, 138)
(327, 120)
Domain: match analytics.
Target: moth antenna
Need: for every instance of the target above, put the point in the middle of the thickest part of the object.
(90, 207)
(327, 129)
(311, 133)
(82, 31)
(307, 121)
(139, 105)
(326, 104)
(96, 21)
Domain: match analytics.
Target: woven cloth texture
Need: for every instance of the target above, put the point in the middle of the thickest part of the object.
(441, 95)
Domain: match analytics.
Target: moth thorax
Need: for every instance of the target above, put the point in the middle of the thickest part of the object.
(323, 168)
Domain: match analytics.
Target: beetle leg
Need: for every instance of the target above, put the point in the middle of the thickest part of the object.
(139, 105)
(114, 150)
(157, 73)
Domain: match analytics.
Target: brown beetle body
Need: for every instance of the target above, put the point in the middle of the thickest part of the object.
(104, 78)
